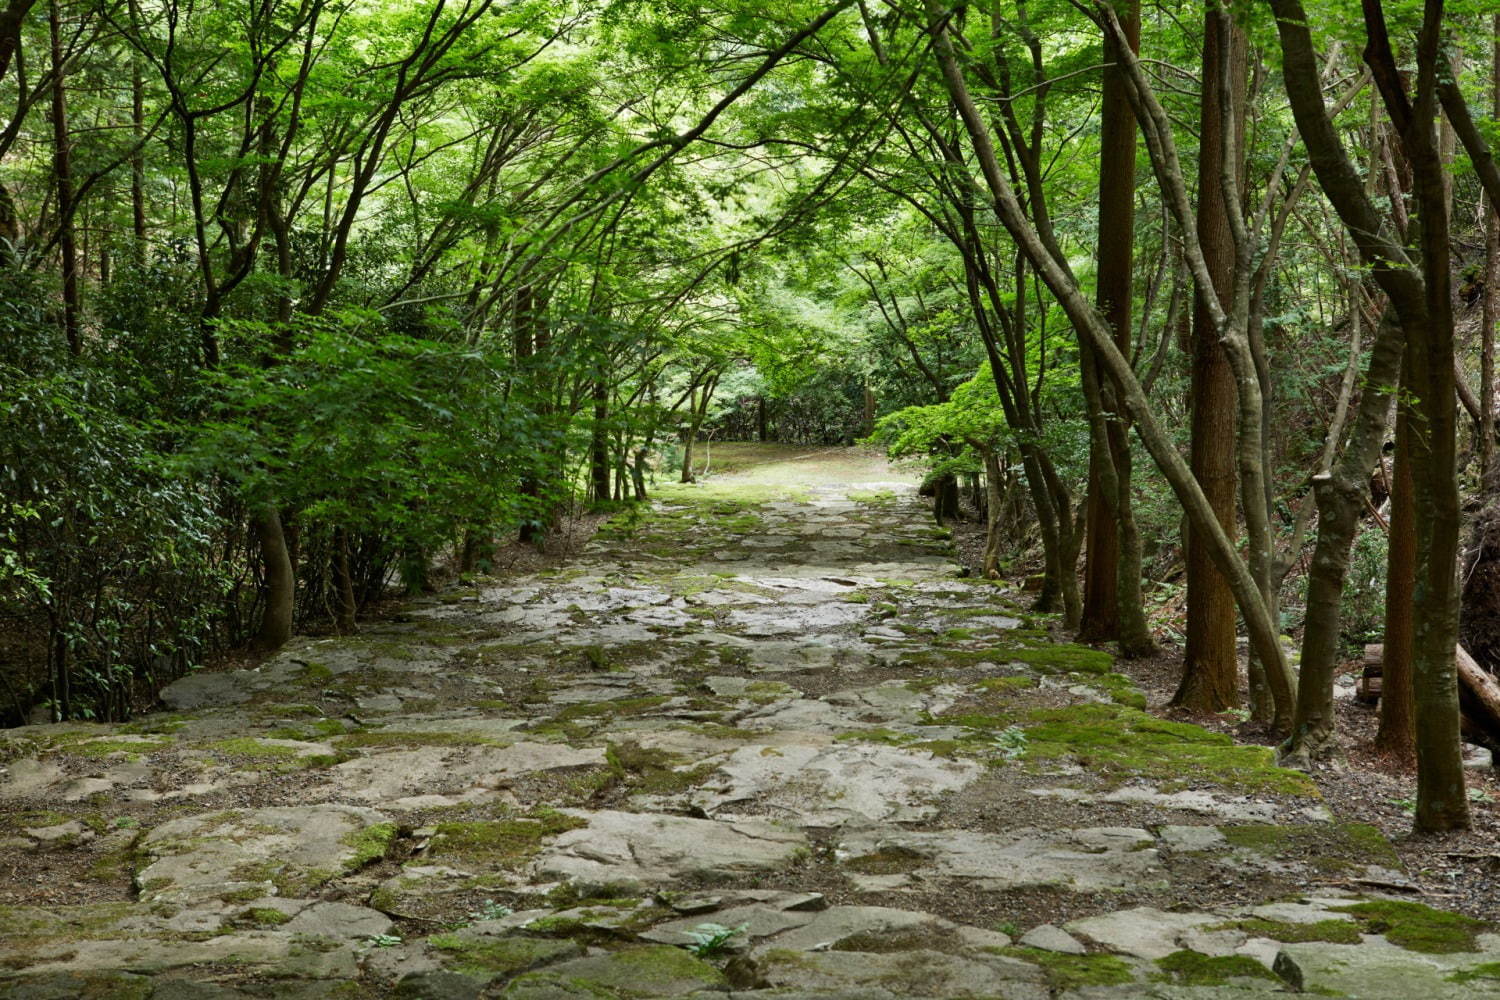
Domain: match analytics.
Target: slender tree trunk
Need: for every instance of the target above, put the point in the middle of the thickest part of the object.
(138, 158)
(1397, 734)
(346, 606)
(62, 176)
(1491, 292)
(281, 588)
(1210, 679)
(1341, 491)
(599, 445)
(994, 491)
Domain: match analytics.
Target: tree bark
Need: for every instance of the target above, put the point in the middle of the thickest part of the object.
(1340, 492)
(599, 444)
(281, 586)
(345, 604)
(1109, 491)
(1210, 677)
(1397, 733)
(1441, 802)
(62, 177)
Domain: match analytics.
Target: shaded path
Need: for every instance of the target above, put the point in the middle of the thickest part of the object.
(768, 704)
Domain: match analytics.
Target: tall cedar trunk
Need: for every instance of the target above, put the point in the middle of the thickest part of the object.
(1210, 679)
(1491, 294)
(1100, 617)
(760, 418)
(276, 623)
(1397, 734)
(1115, 579)
(62, 176)
(599, 445)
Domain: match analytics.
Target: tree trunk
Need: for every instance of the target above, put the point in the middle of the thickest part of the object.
(1210, 679)
(62, 176)
(1397, 734)
(994, 492)
(1340, 492)
(1441, 801)
(1491, 292)
(281, 585)
(1112, 606)
(599, 444)
(345, 605)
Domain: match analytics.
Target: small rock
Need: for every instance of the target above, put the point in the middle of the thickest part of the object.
(1050, 938)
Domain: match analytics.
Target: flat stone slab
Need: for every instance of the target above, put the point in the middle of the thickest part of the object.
(1086, 859)
(1378, 970)
(1144, 932)
(463, 773)
(829, 786)
(203, 857)
(642, 848)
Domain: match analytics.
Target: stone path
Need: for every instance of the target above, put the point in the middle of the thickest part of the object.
(760, 740)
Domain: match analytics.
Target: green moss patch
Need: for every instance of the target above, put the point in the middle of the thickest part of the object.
(1418, 927)
(384, 738)
(1117, 742)
(1488, 970)
(274, 757)
(1067, 972)
(488, 956)
(1062, 658)
(1328, 849)
(604, 709)
(1334, 931)
(1189, 968)
(505, 843)
(655, 772)
(370, 844)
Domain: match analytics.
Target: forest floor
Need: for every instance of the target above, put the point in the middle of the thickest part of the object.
(760, 738)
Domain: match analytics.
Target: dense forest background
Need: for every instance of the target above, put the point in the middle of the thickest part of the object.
(1195, 306)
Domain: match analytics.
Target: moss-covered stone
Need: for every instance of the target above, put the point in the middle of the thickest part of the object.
(265, 916)
(1418, 927)
(370, 844)
(1190, 968)
(1063, 658)
(482, 956)
(1329, 849)
(1068, 972)
(506, 843)
(1117, 742)
(385, 738)
(1333, 931)
(649, 971)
